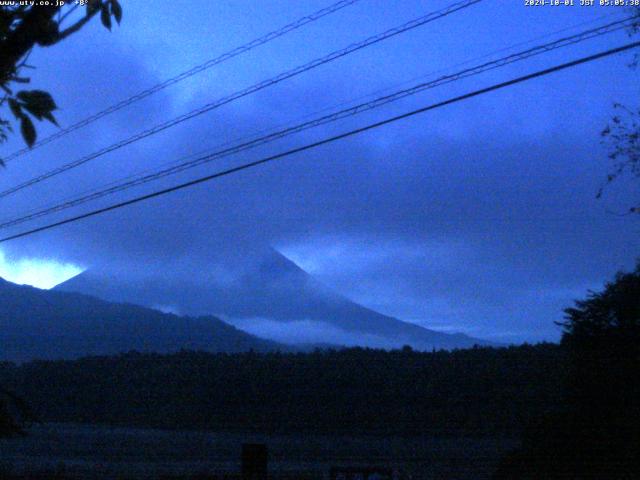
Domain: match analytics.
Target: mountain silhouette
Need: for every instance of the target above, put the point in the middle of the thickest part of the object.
(267, 293)
(46, 324)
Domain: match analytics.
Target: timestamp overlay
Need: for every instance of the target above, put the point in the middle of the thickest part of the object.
(41, 3)
(582, 3)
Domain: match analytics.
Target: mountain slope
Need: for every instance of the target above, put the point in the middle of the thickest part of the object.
(45, 324)
(269, 290)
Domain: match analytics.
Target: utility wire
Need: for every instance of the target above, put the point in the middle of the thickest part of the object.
(184, 75)
(179, 167)
(332, 139)
(370, 95)
(115, 187)
(254, 88)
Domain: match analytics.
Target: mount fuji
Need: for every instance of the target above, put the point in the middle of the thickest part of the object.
(271, 297)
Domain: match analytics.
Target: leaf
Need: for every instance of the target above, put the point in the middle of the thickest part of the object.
(28, 130)
(48, 34)
(38, 103)
(38, 96)
(51, 118)
(15, 107)
(105, 16)
(92, 6)
(116, 10)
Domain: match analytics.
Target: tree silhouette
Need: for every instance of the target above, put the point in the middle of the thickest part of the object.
(602, 335)
(622, 133)
(596, 432)
(11, 425)
(23, 27)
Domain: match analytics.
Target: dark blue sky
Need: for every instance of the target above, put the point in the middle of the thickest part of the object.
(479, 217)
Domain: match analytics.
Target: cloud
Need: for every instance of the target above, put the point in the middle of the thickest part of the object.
(307, 332)
(457, 217)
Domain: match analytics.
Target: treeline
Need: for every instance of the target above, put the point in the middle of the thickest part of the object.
(476, 391)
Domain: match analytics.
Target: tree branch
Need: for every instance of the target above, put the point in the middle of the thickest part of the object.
(76, 26)
(29, 31)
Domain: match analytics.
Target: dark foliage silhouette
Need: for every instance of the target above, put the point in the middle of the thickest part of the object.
(8, 425)
(14, 413)
(38, 323)
(622, 133)
(480, 391)
(596, 431)
(24, 26)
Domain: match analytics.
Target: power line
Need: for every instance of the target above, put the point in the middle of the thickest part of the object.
(188, 73)
(332, 139)
(254, 88)
(95, 194)
(378, 102)
(370, 95)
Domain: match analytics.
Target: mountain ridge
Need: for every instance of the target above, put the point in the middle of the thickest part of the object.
(49, 324)
(270, 288)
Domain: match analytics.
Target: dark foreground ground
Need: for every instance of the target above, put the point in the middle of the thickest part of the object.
(82, 451)
(424, 414)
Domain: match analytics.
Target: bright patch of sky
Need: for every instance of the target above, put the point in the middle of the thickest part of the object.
(37, 272)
